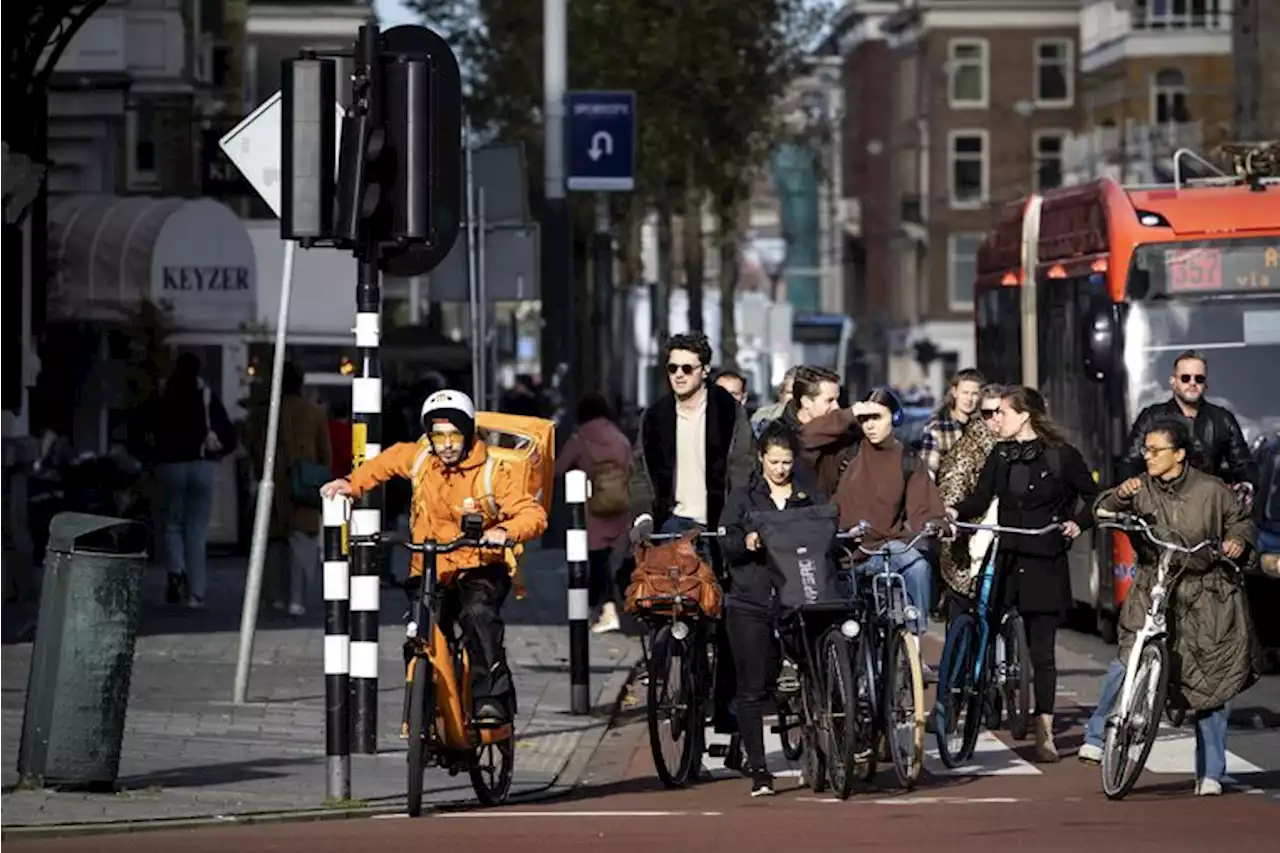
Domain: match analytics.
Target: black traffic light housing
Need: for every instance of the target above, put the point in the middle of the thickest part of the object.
(307, 127)
(398, 192)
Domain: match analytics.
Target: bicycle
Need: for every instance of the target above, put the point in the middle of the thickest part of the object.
(1147, 667)
(437, 709)
(981, 667)
(887, 669)
(679, 650)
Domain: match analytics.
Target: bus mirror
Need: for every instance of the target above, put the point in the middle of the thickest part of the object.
(1100, 340)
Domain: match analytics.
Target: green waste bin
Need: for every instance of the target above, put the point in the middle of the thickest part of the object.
(82, 660)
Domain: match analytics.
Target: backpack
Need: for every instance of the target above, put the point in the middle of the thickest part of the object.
(527, 446)
(610, 484)
(799, 543)
(673, 568)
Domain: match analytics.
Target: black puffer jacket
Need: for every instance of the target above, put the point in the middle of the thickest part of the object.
(750, 583)
(1220, 448)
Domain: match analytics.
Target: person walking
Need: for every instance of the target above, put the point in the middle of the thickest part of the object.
(600, 448)
(1039, 479)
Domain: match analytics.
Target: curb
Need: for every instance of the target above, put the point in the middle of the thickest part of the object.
(610, 695)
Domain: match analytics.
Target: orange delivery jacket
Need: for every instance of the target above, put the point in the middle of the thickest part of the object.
(442, 495)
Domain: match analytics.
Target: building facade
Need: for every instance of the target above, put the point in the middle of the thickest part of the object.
(983, 100)
(1255, 28)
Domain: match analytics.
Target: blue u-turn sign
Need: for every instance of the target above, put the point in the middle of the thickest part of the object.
(602, 141)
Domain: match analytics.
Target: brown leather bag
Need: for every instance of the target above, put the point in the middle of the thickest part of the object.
(673, 568)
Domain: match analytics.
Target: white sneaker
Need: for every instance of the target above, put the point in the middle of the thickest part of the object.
(1208, 788)
(608, 621)
(1089, 754)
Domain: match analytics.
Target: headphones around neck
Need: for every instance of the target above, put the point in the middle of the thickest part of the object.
(1022, 451)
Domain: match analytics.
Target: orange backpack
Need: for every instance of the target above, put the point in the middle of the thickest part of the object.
(673, 568)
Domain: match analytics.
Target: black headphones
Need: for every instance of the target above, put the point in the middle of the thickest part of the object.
(1021, 451)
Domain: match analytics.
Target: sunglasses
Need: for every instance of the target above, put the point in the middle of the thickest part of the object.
(988, 414)
(686, 369)
(1188, 378)
(447, 439)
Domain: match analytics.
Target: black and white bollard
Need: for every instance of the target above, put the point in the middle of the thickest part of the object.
(575, 544)
(366, 515)
(337, 652)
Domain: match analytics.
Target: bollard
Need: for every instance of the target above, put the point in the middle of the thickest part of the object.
(337, 652)
(575, 543)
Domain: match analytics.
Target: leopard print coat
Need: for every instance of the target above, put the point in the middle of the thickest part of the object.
(957, 477)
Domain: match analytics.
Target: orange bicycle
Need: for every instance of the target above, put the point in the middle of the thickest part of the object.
(437, 704)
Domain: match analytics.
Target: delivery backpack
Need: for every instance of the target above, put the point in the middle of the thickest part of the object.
(669, 568)
(799, 544)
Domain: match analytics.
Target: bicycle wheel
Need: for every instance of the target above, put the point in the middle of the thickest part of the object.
(904, 707)
(492, 766)
(790, 730)
(813, 769)
(839, 710)
(421, 712)
(1016, 685)
(865, 674)
(674, 713)
(1137, 719)
(958, 708)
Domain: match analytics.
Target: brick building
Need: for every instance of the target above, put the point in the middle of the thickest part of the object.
(963, 105)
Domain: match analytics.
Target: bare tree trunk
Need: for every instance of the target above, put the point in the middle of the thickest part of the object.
(660, 305)
(728, 244)
(630, 245)
(694, 260)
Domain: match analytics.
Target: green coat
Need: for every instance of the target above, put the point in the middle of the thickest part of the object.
(1212, 644)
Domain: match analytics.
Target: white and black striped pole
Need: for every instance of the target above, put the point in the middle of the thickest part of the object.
(366, 514)
(575, 544)
(337, 652)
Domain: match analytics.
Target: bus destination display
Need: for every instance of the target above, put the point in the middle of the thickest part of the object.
(1224, 266)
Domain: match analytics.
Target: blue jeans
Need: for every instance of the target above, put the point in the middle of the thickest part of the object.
(186, 494)
(1211, 727)
(915, 571)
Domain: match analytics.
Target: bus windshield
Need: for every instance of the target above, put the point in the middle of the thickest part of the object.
(1197, 267)
(1240, 338)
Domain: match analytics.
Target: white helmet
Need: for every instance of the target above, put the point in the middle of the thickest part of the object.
(452, 406)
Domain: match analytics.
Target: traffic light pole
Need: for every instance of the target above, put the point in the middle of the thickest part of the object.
(559, 311)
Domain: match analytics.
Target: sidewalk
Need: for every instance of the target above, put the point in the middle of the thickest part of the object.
(189, 753)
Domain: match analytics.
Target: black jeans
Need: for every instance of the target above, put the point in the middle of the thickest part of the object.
(601, 586)
(754, 651)
(1042, 633)
(473, 602)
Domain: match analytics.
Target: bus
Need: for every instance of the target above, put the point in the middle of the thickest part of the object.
(1088, 292)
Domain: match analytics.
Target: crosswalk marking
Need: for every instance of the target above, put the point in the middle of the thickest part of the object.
(991, 757)
(1175, 753)
(776, 761)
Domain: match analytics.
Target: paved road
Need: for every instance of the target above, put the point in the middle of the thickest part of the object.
(1001, 797)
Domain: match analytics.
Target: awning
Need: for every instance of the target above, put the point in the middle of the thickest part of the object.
(192, 256)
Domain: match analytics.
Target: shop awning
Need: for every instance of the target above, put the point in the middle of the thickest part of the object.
(193, 256)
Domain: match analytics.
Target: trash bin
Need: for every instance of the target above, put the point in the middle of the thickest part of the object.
(82, 660)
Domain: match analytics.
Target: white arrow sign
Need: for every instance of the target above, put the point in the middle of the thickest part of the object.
(601, 144)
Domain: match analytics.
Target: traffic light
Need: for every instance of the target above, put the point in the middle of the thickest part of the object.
(308, 125)
(363, 166)
(409, 119)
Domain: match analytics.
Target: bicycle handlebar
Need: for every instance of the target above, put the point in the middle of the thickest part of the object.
(862, 528)
(663, 537)
(430, 544)
(1130, 523)
(996, 528)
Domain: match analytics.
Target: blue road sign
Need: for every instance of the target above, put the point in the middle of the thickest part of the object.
(602, 141)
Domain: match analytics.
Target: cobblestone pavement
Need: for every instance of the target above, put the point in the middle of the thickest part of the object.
(190, 753)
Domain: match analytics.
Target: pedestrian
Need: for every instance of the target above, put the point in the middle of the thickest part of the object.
(303, 463)
(1039, 479)
(949, 420)
(600, 448)
(1212, 643)
(734, 382)
(774, 410)
(190, 432)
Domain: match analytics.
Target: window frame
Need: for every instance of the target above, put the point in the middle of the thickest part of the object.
(952, 159)
(984, 73)
(1157, 89)
(139, 179)
(1069, 73)
(1061, 134)
(953, 239)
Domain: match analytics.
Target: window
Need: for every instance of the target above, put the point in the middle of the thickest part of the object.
(1169, 97)
(967, 68)
(1047, 151)
(968, 168)
(1055, 67)
(1179, 14)
(962, 269)
(141, 129)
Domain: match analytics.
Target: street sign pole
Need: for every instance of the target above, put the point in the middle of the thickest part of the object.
(559, 306)
(602, 260)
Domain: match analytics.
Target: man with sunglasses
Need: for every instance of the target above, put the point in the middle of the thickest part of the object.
(1218, 445)
(453, 476)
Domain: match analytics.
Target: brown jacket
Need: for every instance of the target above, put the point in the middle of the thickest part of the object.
(304, 437)
(872, 490)
(825, 442)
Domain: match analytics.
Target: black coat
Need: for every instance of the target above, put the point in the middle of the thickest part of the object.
(1032, 495)
(1219, 445)
(750, 580)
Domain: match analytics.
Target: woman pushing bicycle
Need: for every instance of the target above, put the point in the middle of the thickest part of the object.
(1208, 612)
(1039, 480)
(453, 476)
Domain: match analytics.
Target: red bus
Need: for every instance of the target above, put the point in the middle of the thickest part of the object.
(1088, 292)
